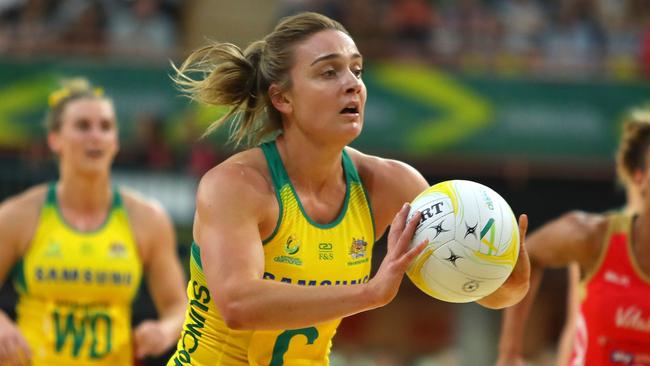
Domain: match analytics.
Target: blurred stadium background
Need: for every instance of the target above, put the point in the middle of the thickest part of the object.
(525, 96)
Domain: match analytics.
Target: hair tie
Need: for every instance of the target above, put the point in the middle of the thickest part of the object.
(57, 96)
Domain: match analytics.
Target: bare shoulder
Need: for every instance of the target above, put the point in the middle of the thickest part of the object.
(389, 183)
(19, 215)
(587, 219)
(142, 210)
(586, 232)
(243, 175)
(25, 203)
(592, 226)
(239, 189)
(388, 175)
(376, 164)
(150, 223)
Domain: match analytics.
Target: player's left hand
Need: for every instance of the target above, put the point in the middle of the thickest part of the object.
(520, 276)
(149, 339)
(516, 286)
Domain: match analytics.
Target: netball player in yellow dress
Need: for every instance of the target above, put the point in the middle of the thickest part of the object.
(284, 231)
(79, 247)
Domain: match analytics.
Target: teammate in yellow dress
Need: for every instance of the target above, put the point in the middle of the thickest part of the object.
(284, 231)
(79, 246)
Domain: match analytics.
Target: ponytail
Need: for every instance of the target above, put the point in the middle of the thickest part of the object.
(240, 80)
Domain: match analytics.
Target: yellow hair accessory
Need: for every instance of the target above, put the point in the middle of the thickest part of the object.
(56, 96)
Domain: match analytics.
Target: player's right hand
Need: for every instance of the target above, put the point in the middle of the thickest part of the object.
(398, 257)
(14, 350)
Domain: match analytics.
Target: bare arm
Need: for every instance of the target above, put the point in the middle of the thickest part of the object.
(10, 240)
(233, 200)
(565, 345)
(18, 218)
(514, 322)
(575, 236)
(164, 275)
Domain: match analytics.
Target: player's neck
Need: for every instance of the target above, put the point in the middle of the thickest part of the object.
(85, 194)
(309, 165)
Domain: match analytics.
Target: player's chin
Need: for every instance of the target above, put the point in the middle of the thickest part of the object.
(350, 132)
(353, 125)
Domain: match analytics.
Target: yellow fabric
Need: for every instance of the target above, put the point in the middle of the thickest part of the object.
(76, 289)
(300, 252)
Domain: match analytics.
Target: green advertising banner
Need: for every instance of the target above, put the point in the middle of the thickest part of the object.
(412, 111)
(421, 111)
(25, 86)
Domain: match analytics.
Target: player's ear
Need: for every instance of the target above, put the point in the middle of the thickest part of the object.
(638, 176)
(280, 99)
(53, 141)
(638, 179)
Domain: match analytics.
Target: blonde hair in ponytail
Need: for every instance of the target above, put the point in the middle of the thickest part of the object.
(241, 79)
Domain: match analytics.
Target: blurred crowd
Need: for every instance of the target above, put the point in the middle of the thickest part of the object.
(140, 28)
(547, 38)
(551, 38)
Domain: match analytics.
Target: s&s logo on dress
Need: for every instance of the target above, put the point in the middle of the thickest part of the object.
(325, 251)
(358, 251)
